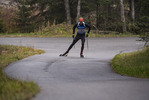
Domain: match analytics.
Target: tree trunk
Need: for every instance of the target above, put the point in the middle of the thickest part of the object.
(122, 16)
(97, 15)
(67, 8)
(78, 9)
(132, 10)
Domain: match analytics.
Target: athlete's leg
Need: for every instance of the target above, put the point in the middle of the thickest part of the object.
(72, 44)
(83, 42)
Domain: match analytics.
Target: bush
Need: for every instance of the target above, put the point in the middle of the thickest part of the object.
(56, 30)
(132, 28)
(2, 26)
(143, 29)
(145, 38)
(142, 26)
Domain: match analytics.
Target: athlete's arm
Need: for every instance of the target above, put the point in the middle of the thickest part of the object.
(74, 28)
(89, 27)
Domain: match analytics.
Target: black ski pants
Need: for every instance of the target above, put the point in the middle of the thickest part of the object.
(78, 37)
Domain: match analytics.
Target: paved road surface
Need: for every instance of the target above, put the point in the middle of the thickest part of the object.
(74, 78)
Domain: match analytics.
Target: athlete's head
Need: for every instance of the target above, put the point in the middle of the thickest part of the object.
(81, 20)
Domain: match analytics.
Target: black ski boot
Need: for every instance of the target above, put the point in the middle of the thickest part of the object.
(81, 55)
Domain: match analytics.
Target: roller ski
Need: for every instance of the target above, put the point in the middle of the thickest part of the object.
(65, 55)
(81, 56)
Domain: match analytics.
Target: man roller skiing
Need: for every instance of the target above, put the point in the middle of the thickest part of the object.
(81, 26)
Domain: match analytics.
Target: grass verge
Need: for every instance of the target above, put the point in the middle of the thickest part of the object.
(135, 64)
(63, 30)
(15, 89)
(52, 35)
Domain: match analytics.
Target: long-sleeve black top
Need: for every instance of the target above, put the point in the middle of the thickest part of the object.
(86, 25)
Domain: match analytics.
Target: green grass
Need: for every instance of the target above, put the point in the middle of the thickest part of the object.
(53, 35)
(135, 64)
(14, 89)
(62, 30)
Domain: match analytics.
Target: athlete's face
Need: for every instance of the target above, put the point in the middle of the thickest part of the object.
(81, 22)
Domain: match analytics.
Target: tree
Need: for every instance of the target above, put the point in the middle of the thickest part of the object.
(132, 10)
(108, 15)
(7, 14)
(67, 8)
(48, 11)
(24, 16)
(122, 16)
(78, 9)
(97, 15)
(142, 8)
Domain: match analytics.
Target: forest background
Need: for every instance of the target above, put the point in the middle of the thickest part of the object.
(34, 16)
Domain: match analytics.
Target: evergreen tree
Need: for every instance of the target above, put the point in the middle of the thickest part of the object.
(142, 8)
(46, 11)
(108, 15)
(24, 16)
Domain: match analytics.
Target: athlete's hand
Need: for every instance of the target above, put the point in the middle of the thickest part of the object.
(86, 35)
(73, 36)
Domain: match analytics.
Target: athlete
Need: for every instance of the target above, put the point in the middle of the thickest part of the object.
(81, 26)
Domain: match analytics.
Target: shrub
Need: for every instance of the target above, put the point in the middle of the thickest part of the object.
(2, 26)
(143, 29)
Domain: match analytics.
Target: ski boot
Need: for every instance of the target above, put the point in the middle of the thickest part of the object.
(81, 55)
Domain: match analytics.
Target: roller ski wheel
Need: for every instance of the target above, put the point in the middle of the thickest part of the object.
(82, 56)
(63, 55)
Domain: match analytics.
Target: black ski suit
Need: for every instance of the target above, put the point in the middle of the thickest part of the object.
(80, 35)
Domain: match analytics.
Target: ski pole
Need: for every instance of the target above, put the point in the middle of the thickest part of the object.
(73, 40)
(87, 42)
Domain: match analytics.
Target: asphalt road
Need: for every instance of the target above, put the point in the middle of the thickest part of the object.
(75, 78)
